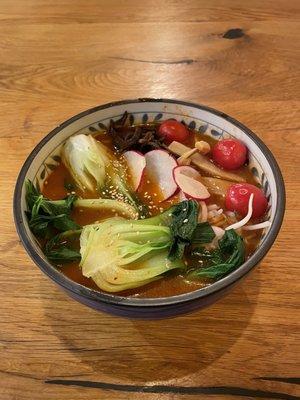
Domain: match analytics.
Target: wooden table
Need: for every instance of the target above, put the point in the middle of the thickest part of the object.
(61, 57)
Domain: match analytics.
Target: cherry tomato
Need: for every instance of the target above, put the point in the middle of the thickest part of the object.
(173, 130)
(229, 153)
(237, 199)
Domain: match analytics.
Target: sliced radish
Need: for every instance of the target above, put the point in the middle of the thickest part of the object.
(188, 171)
(189, 185)
(136, 163)
(159, 168)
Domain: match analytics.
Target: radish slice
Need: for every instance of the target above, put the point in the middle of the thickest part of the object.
(243, 221)
(188, 171)
(262, 225)
(159, 168)
(136, 163)
(190, 186)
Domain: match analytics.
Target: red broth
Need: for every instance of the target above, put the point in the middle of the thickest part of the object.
(55, 188)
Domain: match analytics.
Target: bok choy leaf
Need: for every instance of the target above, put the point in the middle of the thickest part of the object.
(119, 254)
(93, 166)
(226, 258)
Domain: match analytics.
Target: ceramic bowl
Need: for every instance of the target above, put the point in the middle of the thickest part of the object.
(206, 120)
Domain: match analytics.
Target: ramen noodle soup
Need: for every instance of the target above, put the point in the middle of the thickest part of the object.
(149, 210)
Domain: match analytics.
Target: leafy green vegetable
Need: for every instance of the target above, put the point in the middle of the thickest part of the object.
(92, 165)
(119, 254)
(108, 204)
(44, 215)
(183, 225)
(229, 256)
(86, 159)
(203, 233)
(63, 255)
(59, 249)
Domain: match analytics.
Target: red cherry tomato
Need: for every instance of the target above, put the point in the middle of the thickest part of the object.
(237, 199)
(173, 130)
(229, 153)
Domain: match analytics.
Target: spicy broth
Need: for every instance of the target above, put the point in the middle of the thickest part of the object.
(59, 184)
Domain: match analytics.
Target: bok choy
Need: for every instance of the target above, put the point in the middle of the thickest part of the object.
(93, 166)
(44, 214)
(119, 254)
(229, 255)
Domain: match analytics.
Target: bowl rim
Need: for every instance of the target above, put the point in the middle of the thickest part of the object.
(114, 299)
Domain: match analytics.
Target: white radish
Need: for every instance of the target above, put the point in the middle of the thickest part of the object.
(159, 167)
(190, 186)
(136, 163)
(188, 171)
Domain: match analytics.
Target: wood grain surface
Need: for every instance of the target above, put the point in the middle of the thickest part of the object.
(61, 57)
